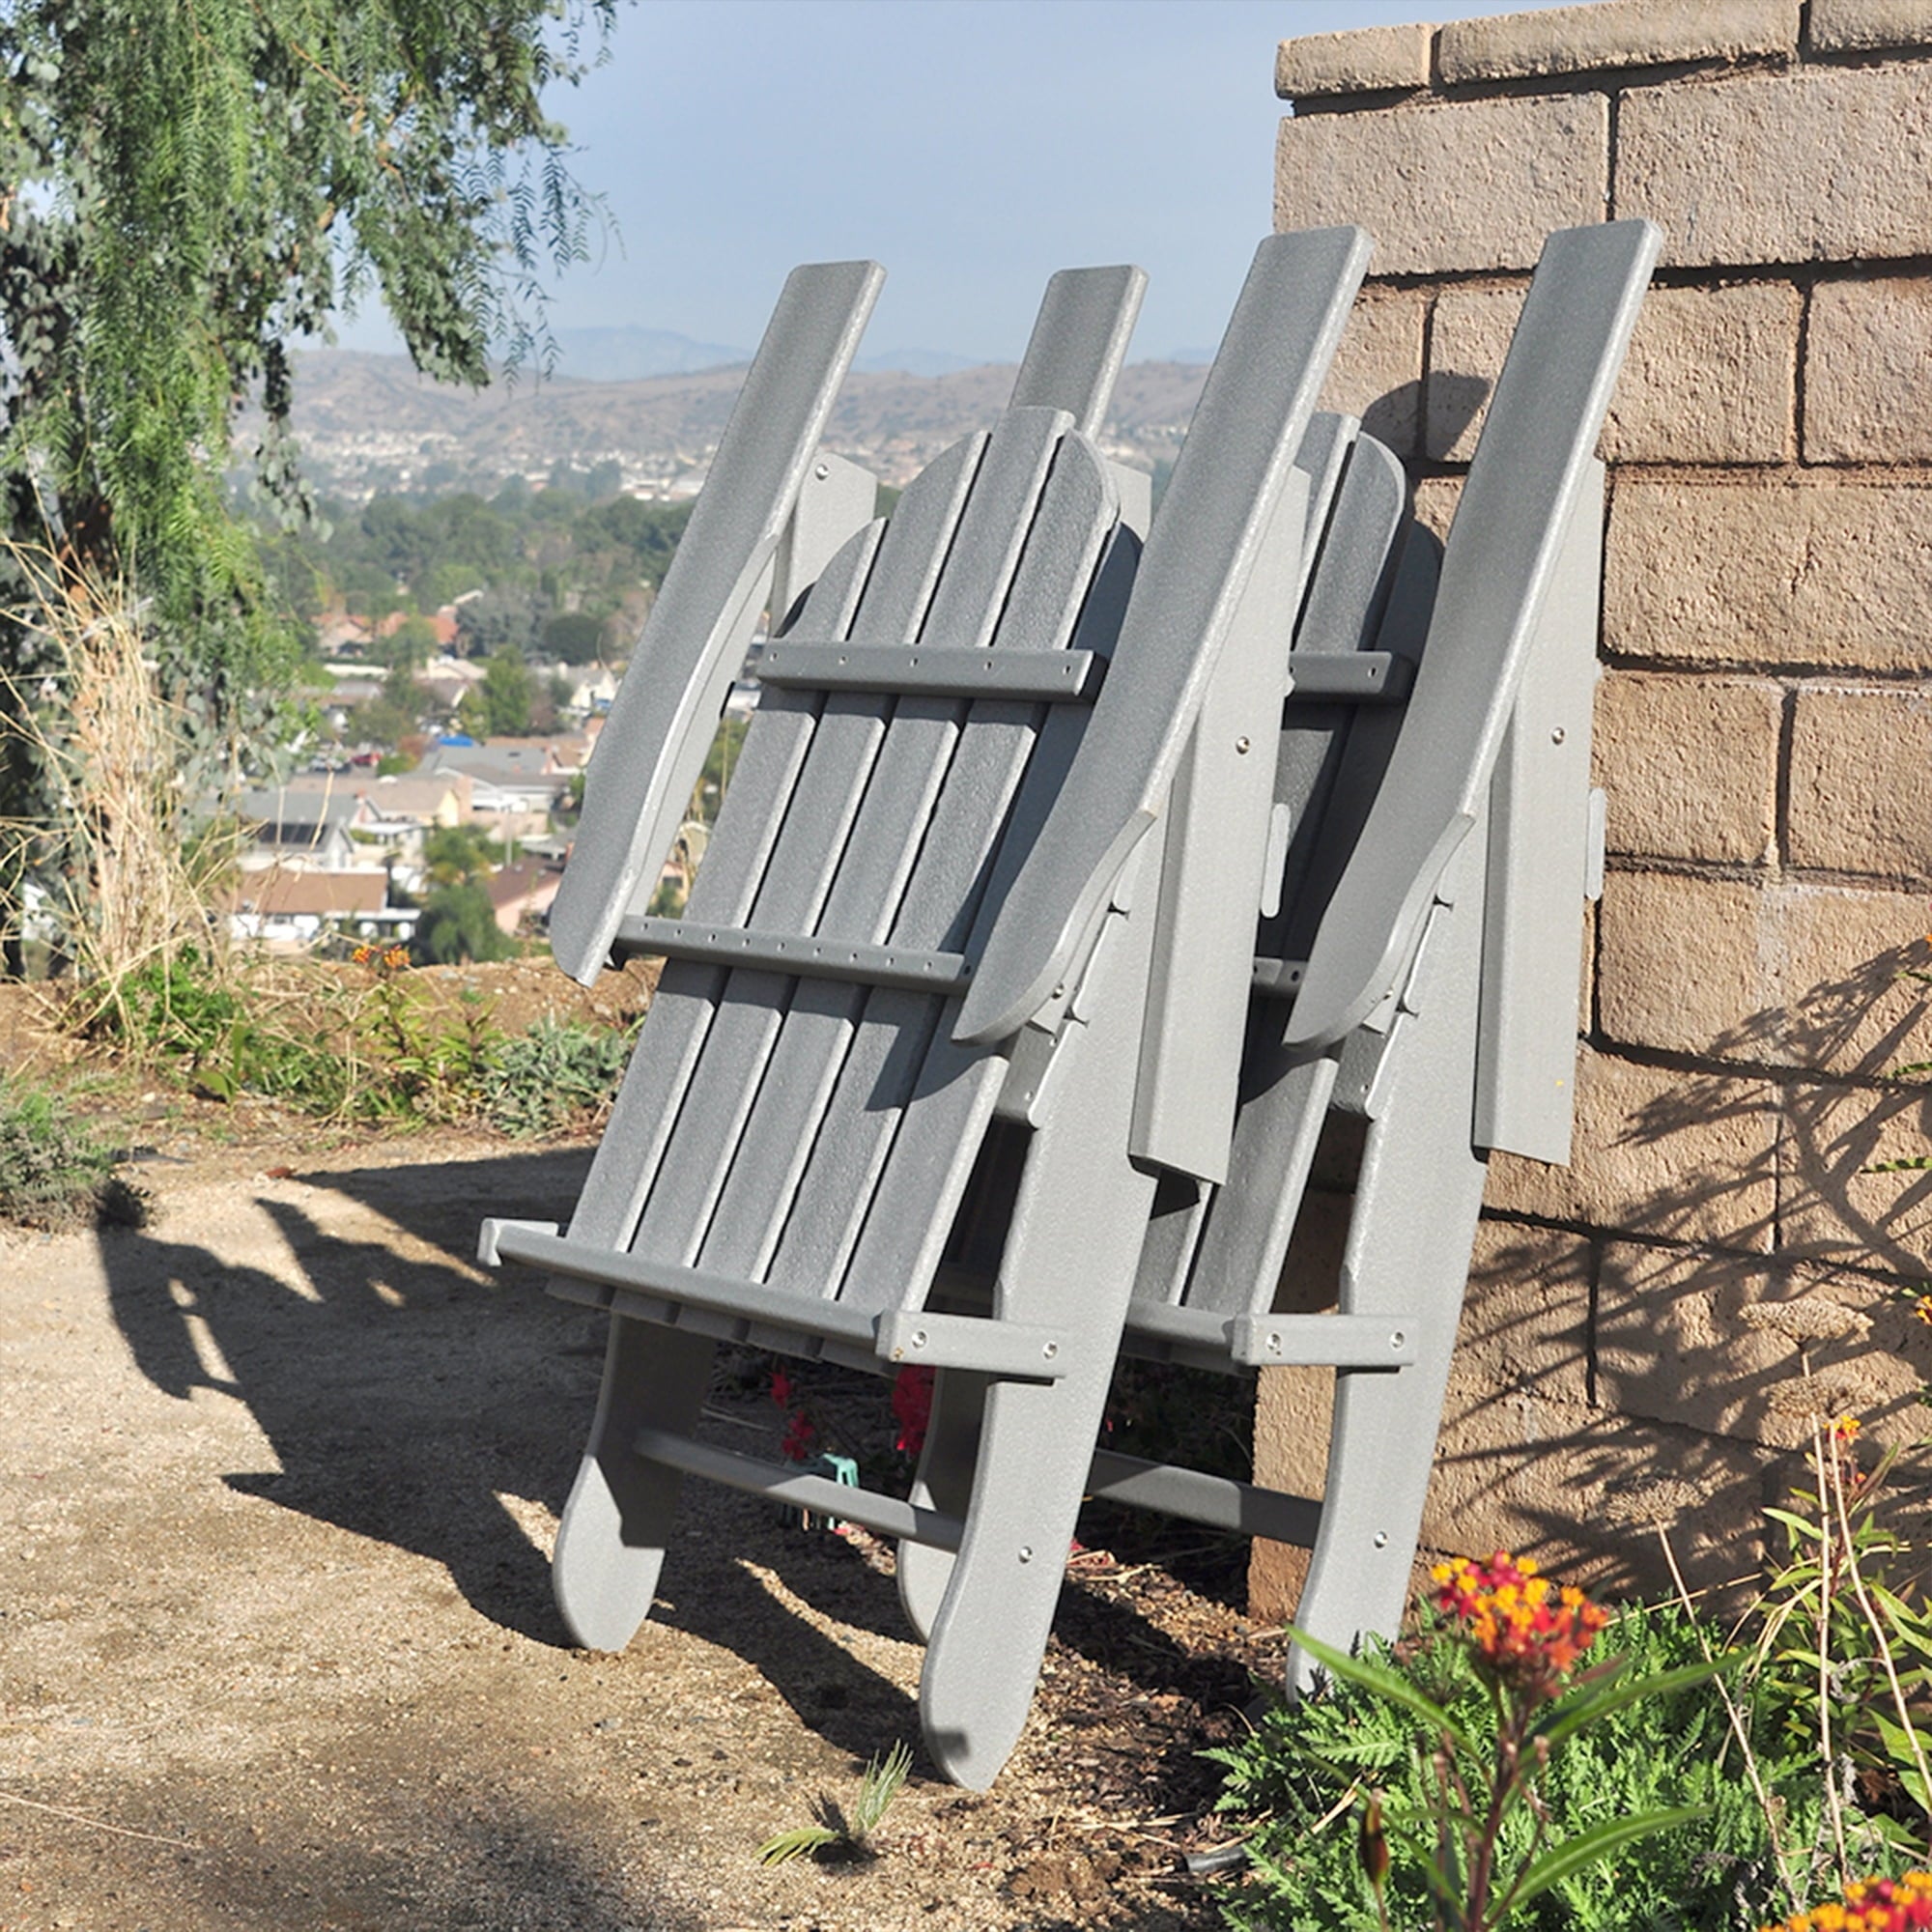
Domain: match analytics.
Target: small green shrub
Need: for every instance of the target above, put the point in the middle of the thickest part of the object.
(53, 1173)
(1303, 1779)
(552, 1076)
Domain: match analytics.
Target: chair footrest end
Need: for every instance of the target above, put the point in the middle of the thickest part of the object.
(1323, 1341)
(493, 1230)
(1011, 1349)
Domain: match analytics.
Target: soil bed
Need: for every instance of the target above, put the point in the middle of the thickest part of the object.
(278, 1648)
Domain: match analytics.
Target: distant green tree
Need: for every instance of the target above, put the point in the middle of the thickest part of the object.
(393, 714)
(574, 636)
(409, 646)
(459, 923)
(460, 855)
(504, 698)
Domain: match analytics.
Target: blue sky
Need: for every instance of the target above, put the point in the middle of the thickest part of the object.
(972, 146)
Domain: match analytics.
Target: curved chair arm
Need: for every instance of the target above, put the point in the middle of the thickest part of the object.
(654, 743)
(1536, 445)
(1219, 505)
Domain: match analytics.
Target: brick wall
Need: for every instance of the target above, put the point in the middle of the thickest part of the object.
(1763, 731)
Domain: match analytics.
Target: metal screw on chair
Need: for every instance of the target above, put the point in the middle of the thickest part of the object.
(821, 471)
(1026, 1552)
(1050, 1351)
(1382, 1539)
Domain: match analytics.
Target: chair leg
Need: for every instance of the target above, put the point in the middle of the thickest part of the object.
(610, 1544)
(1417, 1201)
(1071, 1262)
(945, 1482)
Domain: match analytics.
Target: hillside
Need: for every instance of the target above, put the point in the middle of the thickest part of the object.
(370, 423)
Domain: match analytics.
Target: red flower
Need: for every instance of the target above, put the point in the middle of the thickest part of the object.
(1871, 1905)
(795, 1446)
(780, 1388)
(912, 1409)
(1522, 1627)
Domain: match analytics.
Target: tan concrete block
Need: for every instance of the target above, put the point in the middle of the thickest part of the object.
(1436, 501)
(1688, 766)
(1587, 1492)
(1841, 958)
(1376, 373)
(1293, 1408)
(1696, 1339)
(1711, 375)
(1868, 372)
(1817, 164)
(1526, 1315)
(1680, 968)
(1860, 788)
(1680, 1157)
(1365, 59)
(1774, 574)
(1469, 185)
(1835, 1203)
(1850, 26)
(1628, 32)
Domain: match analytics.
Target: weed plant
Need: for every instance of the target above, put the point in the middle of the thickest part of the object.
(53, 1173)
(1304, 1779)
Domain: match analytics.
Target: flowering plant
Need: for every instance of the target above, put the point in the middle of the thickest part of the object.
(1526, 1638)
(1871, 1905)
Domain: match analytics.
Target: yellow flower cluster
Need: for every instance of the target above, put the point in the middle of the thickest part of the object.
(1871, 1905)
(1521, 1624)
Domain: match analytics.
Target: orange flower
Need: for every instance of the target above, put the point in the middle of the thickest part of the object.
(1871, 1905)
(1522, 1625)
(1922, 1309)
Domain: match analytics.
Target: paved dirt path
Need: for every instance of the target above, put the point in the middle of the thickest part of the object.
(278, 1476)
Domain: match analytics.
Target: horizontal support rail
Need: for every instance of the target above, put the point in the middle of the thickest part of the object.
(883, 1516)
(1323, 1341)
(1218, 1502)
(1306, 1341)
(932, 670)
(904, 967)
(1013, 1350)
(1278, 979)
(1361, 677)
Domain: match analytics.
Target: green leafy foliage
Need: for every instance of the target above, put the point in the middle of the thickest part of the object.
(1302, 1779)
(53, 1173)
(459, 923)
(553, 1077)
(834, 1834)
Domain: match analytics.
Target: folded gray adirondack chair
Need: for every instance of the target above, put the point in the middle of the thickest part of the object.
(965, 732)
(1420, 871)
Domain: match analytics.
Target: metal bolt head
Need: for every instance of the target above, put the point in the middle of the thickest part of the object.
(1382, 1539)
(1241, 746)
(1026, 1552)
(1557, 736)
(1050, 1350)
(919, 1338)
(821, 471)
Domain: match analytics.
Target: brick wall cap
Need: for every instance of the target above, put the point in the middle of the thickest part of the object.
(1363, 60)
(1613, 34)
(1857, 26)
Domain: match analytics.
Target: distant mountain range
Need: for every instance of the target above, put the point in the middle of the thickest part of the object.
(631, 355)
(370, 423)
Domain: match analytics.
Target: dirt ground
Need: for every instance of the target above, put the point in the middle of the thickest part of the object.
(280, 1475)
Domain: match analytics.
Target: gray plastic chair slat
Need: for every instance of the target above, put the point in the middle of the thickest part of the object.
(740, 945)
(1343, 610)
(659, 728)
(1542, 426)
(1323, 457)
(892, 825)
(942, 894)
(814, 822)
(774, 753)
(1219, 505)
(1078, 343)
(927, 670)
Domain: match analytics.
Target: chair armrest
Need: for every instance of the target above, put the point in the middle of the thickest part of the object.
(654, 743)
(1219, 505)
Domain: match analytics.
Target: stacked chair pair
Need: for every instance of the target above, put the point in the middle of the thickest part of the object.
(1131, 850)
